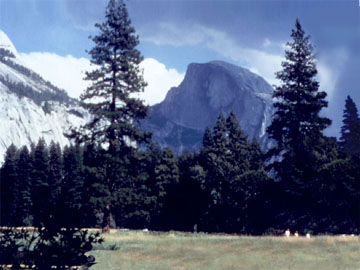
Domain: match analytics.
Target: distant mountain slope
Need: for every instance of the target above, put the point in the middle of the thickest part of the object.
(31, 107)
(208, 89)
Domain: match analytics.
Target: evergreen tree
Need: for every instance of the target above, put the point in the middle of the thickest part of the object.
(136, 201)
(238, 146)
(213, 160)
(167, 180)
(24, 169)
(339, 197)
(234, 176)
(72, 186)
(298, 99)
(256, 156)
(297, 128)
(142, 209)
(208, 138)
(350, 131)
(167, 171)
(10, 188)
(110, 98)
(91, 171)
(191, 198)
(41, 195)
(55, 178)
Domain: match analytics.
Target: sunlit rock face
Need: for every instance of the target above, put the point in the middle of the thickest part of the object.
(208, 89)
(30, 107)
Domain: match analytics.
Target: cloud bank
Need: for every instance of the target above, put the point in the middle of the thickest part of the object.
(160, 79)
(67, 72)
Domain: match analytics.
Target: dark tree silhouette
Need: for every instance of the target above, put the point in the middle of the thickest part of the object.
(110, 99)
(350, 131)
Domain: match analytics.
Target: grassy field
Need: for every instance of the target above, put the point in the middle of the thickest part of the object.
(137, 250)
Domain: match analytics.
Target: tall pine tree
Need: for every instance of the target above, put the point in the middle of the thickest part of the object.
(110, 98)
(10, 188)
(24, 169)
(41, 195)
(298, 99)
(297, 127)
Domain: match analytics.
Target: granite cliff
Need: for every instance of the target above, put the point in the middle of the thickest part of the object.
(208, 89)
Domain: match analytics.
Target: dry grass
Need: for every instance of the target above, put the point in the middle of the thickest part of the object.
(175, 251)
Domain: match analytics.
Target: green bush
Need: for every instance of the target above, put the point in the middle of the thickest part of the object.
(45, 247)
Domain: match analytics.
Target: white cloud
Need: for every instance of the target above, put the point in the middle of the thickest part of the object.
(160, 79)
(67, 72)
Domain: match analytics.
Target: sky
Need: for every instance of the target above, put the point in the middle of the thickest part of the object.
(52, 37)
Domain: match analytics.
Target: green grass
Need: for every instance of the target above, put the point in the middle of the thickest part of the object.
(139, 250)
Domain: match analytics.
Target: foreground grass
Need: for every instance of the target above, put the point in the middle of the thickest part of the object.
(137, 250)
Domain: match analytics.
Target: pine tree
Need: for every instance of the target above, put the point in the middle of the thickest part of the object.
(91, 171)
(216, 160)
(55, 178)
(110, 98)
(167, 179)
(350, 131)
(299, 100)
(208, 138)
(191, 198)
(167, 171)
(10, 189)
(133, 205)
(55, 169)
(41, 188)
(144, 208)
(297, 127)
(256, 156)
(238, 145)
(213, 160)
(234, 176)
(72, 186)
(24, 169)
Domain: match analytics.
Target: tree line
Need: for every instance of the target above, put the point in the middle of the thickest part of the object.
(227, 186)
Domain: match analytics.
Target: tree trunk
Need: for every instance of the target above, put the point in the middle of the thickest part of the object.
(106, 220)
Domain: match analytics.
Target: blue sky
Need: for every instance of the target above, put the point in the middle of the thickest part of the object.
(175, 33)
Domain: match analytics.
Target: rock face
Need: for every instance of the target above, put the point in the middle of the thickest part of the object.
(208, 89)
(31, 107)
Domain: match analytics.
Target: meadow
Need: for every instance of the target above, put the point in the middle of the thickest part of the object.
(138, 250)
